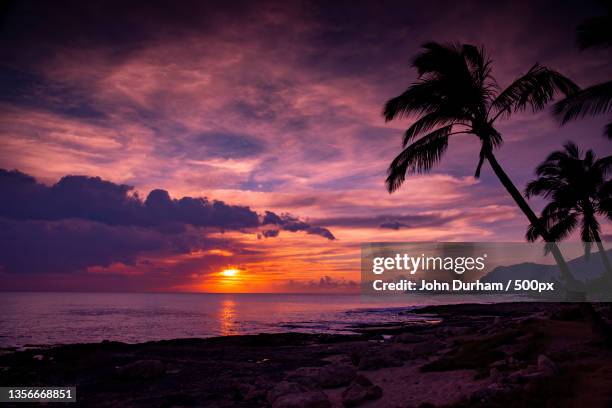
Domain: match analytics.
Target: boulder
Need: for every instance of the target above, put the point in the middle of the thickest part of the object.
(142, 369)
(376, 362)
(495, 374)
(284, 388)
(546, 365)
(251, 393)
(335, 375)
(360, 391)
(308, 399)
(482, 395)
(305, 376)
(427, 348)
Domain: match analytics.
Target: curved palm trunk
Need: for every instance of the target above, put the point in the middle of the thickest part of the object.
(533, 219)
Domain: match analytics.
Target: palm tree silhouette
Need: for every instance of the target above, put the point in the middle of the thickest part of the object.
(595, 32)
(456, 94)
(578, 191)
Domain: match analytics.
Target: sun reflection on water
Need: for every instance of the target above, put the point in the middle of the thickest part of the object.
(227, 317)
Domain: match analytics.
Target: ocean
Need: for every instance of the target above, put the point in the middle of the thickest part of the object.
(34, 319)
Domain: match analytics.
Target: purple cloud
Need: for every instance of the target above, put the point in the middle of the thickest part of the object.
(80, 222)
(287, 222)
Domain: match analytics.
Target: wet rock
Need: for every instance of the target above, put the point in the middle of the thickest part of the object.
(360, 391)
(379, 360)
(177, 400)
(143, 369)
(284, 388)
(252, 393)
(306, 376)
(452, 331)
(487, 393)
(308, 399)
(499, 363)
(495, 374)
(512, 362)
(525, 375)
(408, 338)
(546, 365)
(427, 348)
(570, 313)
(335, 375)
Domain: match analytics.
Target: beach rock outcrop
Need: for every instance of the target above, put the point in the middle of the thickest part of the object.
(546, 365)
(408, 338)
(293, 395)
(374, 358)
(308, 399)
(378, 361)
(335, 375)
(284, 388)
(142, 369)
(427, 348)
(360, 391)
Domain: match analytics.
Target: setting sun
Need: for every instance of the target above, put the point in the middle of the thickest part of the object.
(230, 272)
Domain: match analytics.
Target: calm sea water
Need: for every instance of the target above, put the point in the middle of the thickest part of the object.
(61, 318)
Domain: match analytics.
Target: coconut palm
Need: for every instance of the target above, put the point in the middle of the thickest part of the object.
(578, 191)
(456, 95)
(595, 32)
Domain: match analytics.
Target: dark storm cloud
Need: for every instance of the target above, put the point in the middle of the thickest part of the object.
(288, 222)
(123, 26)
(28, 246)
(34, 91)
(82, 221)
(94, 199)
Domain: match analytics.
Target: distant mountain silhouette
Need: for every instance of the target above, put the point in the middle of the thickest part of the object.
(581, 268)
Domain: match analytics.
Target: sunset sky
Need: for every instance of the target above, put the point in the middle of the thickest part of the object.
(269, 110)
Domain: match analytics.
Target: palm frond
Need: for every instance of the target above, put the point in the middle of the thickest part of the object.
(420, 97)
(561, 224)
(479, 63)
(532, 234)
(534, 89)
(543, 186)
(591, 101)
(604, 165)
(438, 58)
(427, 122)
(608, 131)
(604, 199)
(419, 157)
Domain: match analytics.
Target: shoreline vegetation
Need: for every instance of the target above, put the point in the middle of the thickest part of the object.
(536, 354)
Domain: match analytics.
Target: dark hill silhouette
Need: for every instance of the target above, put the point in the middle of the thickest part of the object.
(582, 268)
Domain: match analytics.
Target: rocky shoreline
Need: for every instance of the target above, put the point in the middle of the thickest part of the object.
(465, 355)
